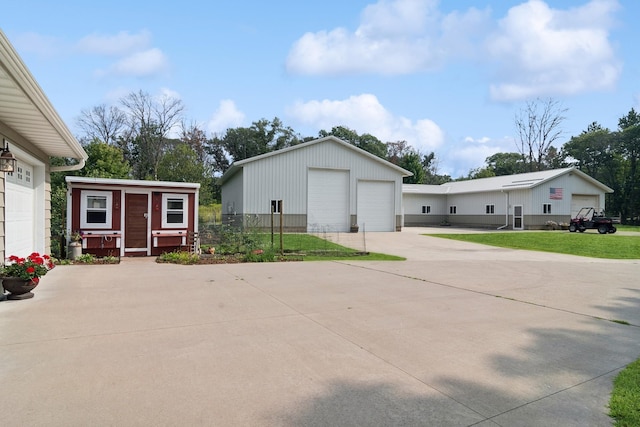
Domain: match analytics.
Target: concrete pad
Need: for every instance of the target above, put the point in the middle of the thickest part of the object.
(475, 337)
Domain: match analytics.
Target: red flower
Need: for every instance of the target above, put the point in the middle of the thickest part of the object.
(36, 280)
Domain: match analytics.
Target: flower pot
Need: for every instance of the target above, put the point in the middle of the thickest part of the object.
(18, 288)
(75, 250)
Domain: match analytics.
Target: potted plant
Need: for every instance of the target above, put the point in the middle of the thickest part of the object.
(21, 275)
(75, 246)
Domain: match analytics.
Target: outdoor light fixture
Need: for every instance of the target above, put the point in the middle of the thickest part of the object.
(7, 161)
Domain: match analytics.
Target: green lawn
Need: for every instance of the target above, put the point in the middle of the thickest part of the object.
(316, 249)
(624, 405)
(588, 244)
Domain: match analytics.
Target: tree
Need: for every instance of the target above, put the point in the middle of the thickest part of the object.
(241, 143)
(104, 161)
(412, 162)
(430, 166)
(150, 121)
(366, 142)
(538, 125)
(196, 138)
(181, 164)
(506, 163)
(103, 123)
(590, 151)
(629, 140)
(397, 150)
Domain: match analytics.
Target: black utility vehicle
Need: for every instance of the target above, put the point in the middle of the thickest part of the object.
(588, 219)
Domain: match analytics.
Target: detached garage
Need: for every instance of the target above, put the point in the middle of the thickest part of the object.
(325, 185)
(33, 132)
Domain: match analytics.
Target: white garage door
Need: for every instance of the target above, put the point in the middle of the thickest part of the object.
(376, 205)
(579, 201)
(328, 200)
(20, 211)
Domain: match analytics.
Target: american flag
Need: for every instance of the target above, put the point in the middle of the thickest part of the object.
(555, 193)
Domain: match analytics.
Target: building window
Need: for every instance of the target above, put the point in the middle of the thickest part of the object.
(426, 209)
(95, 209)
(453, 209)
(490, 209)
(276, 206)
(174, 214)
(546, 208)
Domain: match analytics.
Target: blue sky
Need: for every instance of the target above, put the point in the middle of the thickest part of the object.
(445, 76)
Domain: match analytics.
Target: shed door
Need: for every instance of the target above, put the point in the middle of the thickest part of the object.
(135, 222)
(20, 211)
(327, 200)
(376, 205)
(583, 201)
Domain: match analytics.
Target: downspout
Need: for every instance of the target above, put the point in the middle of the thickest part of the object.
(67, 168)
(506, 211)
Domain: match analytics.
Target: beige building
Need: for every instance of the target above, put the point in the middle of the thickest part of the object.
(33, 132)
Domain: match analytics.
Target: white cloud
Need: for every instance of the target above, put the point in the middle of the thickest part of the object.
(169, 93)
(139, 64)
(394, 37)
(119, 44)
(364, 114)
(543, 51)
(41, 45)
(534, 50)
(470, 153)
(226, 116)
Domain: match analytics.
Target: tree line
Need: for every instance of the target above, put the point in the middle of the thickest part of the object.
(148, 138)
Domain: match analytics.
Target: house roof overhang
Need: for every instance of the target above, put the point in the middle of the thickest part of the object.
(26, 109)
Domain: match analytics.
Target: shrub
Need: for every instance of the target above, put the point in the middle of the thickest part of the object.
(179, 257)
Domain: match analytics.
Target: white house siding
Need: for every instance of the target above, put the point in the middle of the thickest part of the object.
(531, 191)
(471, 209)
(574, 190)
(413, 203)
(283, 176)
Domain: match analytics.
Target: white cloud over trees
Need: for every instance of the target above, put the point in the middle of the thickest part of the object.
(365, 114)
(534, 50)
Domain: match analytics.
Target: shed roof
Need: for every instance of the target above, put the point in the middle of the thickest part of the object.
(81, 180)
(501, 183)
(26, 109)
(239, 164)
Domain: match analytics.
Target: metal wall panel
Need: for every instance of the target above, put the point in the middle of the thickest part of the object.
(284, 176)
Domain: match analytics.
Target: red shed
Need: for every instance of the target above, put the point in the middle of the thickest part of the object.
(120, 217)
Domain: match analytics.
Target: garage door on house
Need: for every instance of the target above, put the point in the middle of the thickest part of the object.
(327, 200)
(376, 205)
(20, 211)
(579, 201)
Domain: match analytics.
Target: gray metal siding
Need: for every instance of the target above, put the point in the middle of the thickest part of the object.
(233, 195)
(284, 177)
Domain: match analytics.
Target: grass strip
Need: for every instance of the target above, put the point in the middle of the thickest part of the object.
(588, 244)
(624, 405)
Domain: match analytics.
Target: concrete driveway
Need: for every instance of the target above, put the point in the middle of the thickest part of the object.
(457, 335)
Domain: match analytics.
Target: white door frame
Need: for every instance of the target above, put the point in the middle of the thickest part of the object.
(518, 219)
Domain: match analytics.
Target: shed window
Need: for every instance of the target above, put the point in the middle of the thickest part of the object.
(426, 209)
(490, 209)
(453, 209)
(546, 208)
(175, 210)
(95, 209)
